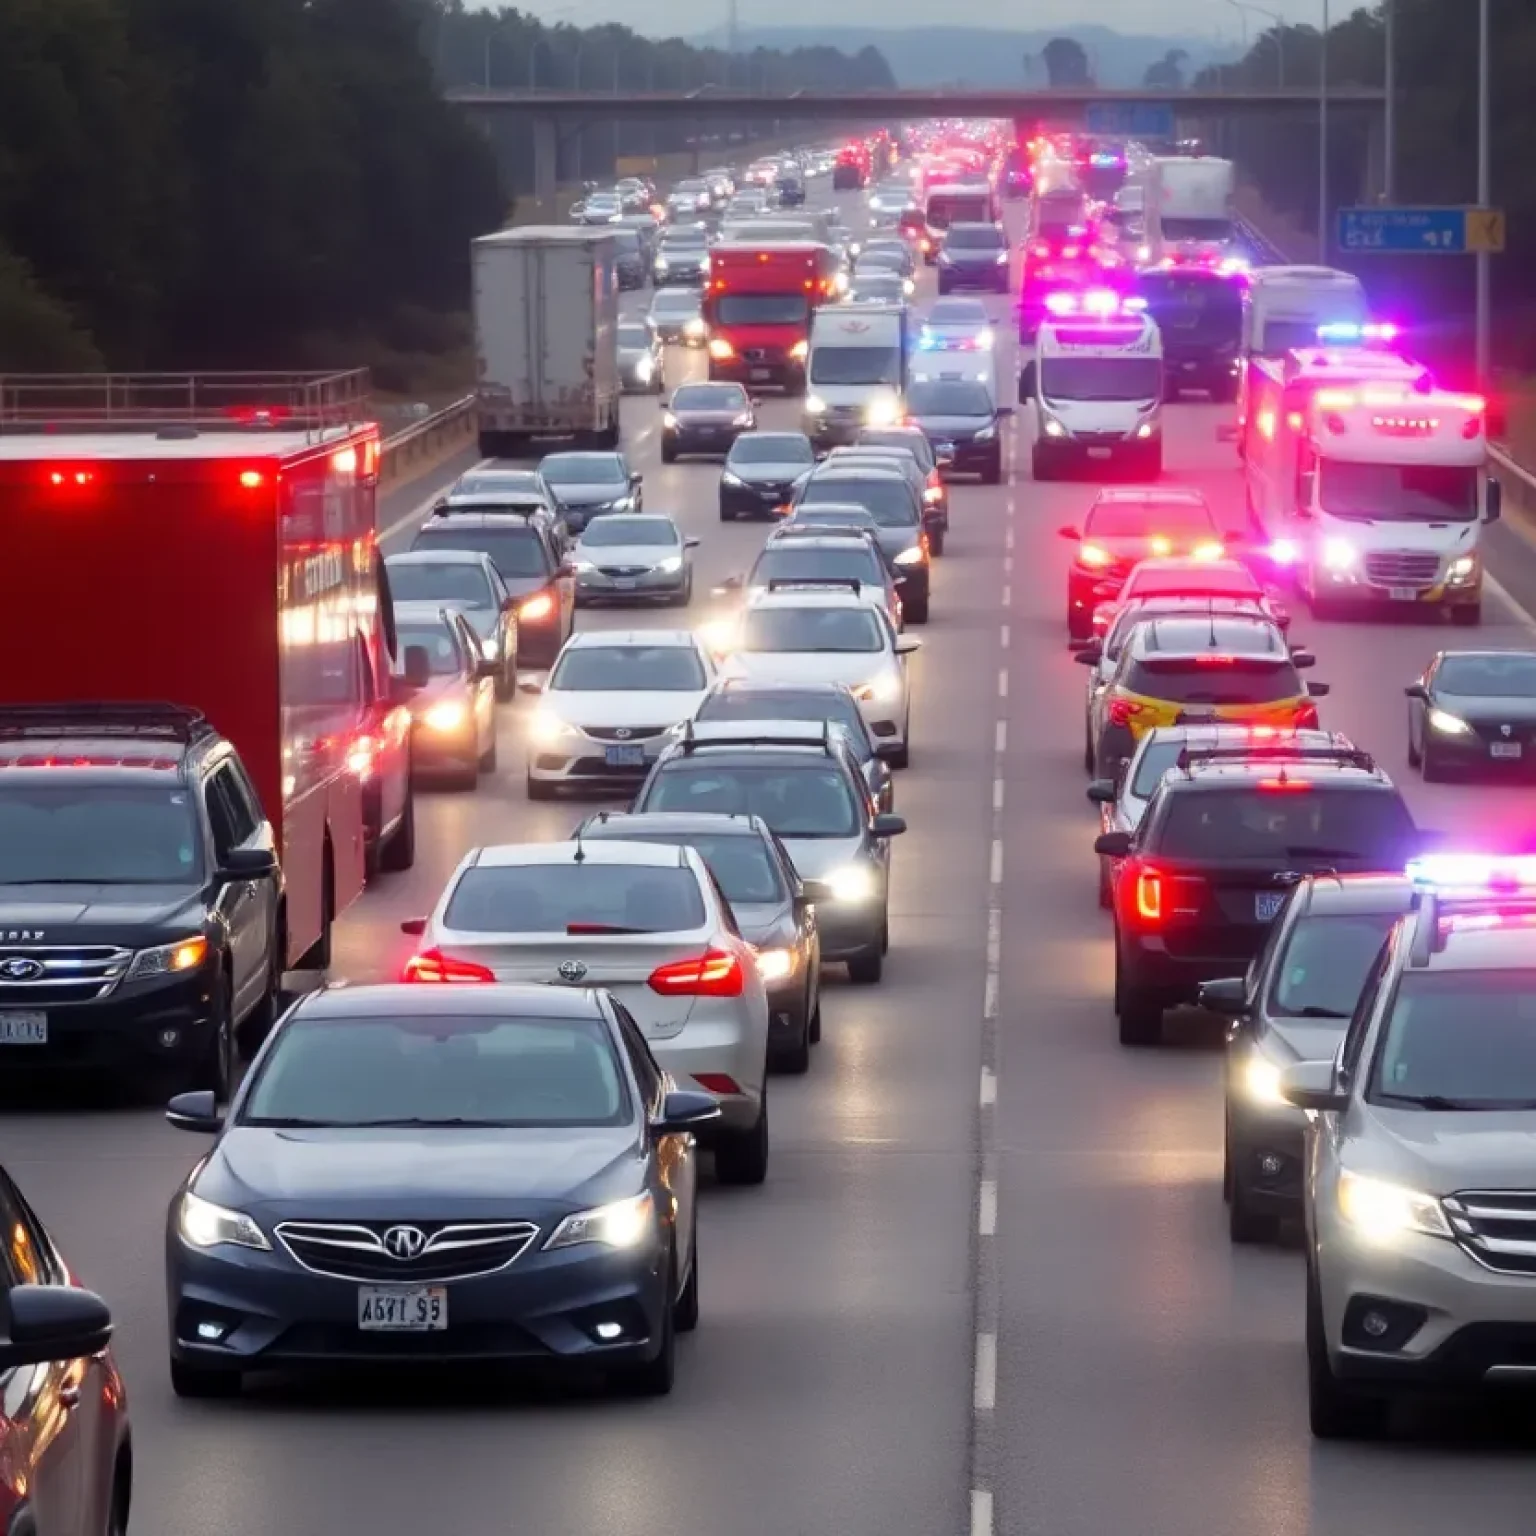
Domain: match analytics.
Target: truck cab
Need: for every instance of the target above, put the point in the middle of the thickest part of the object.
(856, 373)
(758, 308)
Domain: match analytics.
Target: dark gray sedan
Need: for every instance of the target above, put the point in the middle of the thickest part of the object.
(1474, 712)
(641, 359)
(961, 419)
(705, 420)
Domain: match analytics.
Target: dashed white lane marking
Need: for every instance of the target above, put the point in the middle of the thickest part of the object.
(981, 1512)
(996, 876)
(1002, 683)
(1007, 597)
(986, 1221)
(988, 1086)
(1000, 737)
(984, 1399)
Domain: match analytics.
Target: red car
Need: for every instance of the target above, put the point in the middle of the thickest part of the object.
(1189, 578)
(66, 1463)
(1127, 525)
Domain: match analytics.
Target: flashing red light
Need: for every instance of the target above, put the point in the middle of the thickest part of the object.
(71, 477)
(1121, 711)
(1285, 786)
(154, 764)
(432, 965)
(715, 973)
(250, 479)
(1149, 895)
(1207, 660)
(1306, 718)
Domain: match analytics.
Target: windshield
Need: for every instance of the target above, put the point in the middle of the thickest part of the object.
(1326, 960)
(762, 308)
(513, 551)
(1205, 231)
(807, 799)
(948, 397)
(1153, 763)
(439, 1069)
(783, 564)
(629, 669)
(889, 499)
(617, 532)
(1460, 1040)
(437, 641)
(499, 482)
(878, 264)
(551, 898)
(1494, 677)
(102, 834)
(635, 338)
(857, 365)
(1411, 493)
(984, 238)
(675, 306)
(423, 581)
(833, 516)
(1280, 336)
(771, 448)
(685, 245)
(1101, 378)
(1173, 520)
(747, 873)
(957, 312)
(709, 397)
(1179, 300)
(818, 630)
(583, 469)
(1371, 828)
(1197, 681)
(747, 704)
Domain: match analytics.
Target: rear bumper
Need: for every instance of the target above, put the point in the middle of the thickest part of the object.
(1148, 966)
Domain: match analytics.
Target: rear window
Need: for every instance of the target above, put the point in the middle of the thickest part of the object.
(983, 238)
(514, 551)
(552, 898)
(1369, 827)
(1120, 520)
(747, 873)
(784, 564)
(1208, 681)
(745, 704)
(809, 798)
(890, 500)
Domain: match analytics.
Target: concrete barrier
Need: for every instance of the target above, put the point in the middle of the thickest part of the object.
(426, 443)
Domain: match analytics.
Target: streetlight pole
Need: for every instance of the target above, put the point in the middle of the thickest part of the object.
(1322, 140)
(1484, 193)
(1389, 80)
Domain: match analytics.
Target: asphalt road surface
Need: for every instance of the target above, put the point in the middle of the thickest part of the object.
(1135, 1375)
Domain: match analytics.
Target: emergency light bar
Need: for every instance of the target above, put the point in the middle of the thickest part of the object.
(1350, 331)
(1475, 875)
(1095, 304)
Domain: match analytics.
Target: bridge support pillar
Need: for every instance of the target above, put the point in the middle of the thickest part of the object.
(546, 168)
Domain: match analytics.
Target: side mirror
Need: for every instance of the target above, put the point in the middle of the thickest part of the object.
(1027, 383)
(690, 543)
(1102, 792)
(509, 604)
(683, 1112)
(197, 1111)
(1495, 502)
(529, 685)
(1066, 531)
(906, 644)
(1318, 690)
(636, 479)
(816, 892)
(249, 864)
(1301, 660)
(1228, 997)
(418, 666)
(1417, 691)
(1312, 1085)
(1112, 845)
(1089, 656)
(54, 1323)
(413, 927)
(888, 826)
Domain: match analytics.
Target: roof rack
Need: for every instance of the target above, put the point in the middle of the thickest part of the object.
(778, 733)
(1276, 752)
(816, 584)
(485, 503)
(256, 402)
(146, 721)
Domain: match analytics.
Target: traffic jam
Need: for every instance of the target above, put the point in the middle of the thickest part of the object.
(464, 1098)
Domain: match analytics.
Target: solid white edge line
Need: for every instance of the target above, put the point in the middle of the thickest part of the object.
(1504, 595)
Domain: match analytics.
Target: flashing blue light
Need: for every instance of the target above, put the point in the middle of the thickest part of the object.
(1475, 873)
(1353, 330)
(1106, 159)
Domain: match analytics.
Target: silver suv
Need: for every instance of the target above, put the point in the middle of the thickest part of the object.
(1420, 1193)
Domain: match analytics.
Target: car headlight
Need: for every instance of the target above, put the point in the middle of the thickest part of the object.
(1447, 724)
(882, 412)
(671, 563)
(547, 728)
(984, 340)
(852, 883)
(727, 478)
(450, 715)
(1002, 258)
(490, 650)
(1145, 430)
(776, 964)
(694, 327)
(1053, 428)
(644, 368)
(800, 351)
(669, 422)
(815, 406)
(662, 263)
(202, 1224)
(719, 635)
(985, 435)
(1261, 1081)
(1462, 567)
(1339, 554)
(884, 689)
(623, 1224)
(917, 555)
(168, 959)
(742, 420)
(1380, 1211)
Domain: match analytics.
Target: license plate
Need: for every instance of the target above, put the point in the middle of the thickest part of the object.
(625, 582)
(1403, 594)
(1098, 453)
(23, 1029)
(1495, 749)
(627, 756)
(774, 496)
(421, 1309)
(760, 373)
(1266, 904)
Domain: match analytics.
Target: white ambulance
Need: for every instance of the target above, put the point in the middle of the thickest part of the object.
(1369, 482)
(1096, 382)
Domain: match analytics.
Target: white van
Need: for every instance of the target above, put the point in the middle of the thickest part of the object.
(856, 374)
(1096, 383)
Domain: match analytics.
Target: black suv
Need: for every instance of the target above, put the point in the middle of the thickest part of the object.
(1228, 831)
(142, 897)
(1294, 1004)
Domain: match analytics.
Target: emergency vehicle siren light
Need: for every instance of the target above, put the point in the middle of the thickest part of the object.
(1352, 331)
(1475, 875)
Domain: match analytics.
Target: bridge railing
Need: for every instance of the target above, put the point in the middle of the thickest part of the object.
(427, 441)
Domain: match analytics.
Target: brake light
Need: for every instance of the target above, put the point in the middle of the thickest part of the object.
(715, 973)
(1121, 711)
(1149, 895)
(432, 965)
(1305, 718)
(721, 1084)
(71, 477)
(1040, 251)
(1284, 786)
(361, 757)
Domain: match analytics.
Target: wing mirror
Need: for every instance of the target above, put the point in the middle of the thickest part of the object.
(53, 1323)
(1319, 690)
(690, 543)
(249, 864)
(683, 1111)
(197, 1111)
(413, 927)
(418, 666)
(1102, 792)
(1301, 660)
(817, 892)
(1003, 411)
(906, 644)
(1089, 655)
(1228, 997)
(529, 685)
(1417, 691)
(1112, 845)
(1312, 1085)
(888, 826)
(1066, 531)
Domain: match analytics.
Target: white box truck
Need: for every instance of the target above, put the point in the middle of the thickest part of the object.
(546, 303)
(856, 375)
(1195, 201)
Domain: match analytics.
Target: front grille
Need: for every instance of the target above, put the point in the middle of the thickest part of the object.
(756, 355)
(471, 1341)
(69, 973)
(447, 1250)
(625, 570)
(1515, 731)
(622, 732)
(1402, 568)
(1094, 438)
(1497, 1227)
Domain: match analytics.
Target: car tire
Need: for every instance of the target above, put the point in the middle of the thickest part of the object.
(685, 1312)
(741, 1157)
(1090, 757)
(903, 757)
(219, 1068)
(654, 1377)
(793, 1056)
(1245, 1225)
(399, 853)
(866, 969)
(1040, 466)
(1431, 769)
(488, 757)
(466, 779)
(668, 454)
(683, 598)
(1467, 615)
(1415, 756)
(506, 683)
(726, 515)
(1334, 1410)
(540, 789)
(1140, 1015)
(936, 542)
(1106, 886)
(197, 1381)
(813, 1028)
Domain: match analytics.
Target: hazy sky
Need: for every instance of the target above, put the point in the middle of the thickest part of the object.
(1203, 17)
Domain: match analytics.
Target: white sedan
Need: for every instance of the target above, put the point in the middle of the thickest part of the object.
(809, 636)
(614, 698)
(645, 922)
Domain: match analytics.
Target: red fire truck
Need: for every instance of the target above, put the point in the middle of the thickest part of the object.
(210, 540)
(758, 306)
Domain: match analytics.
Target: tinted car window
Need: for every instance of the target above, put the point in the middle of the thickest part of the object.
(552, 898)
(460, 586)
(1326, 962)
(771, 448)
(583, 469)
(745, 704)
(889, 498)
(709, 397)
(780, 563)
(1176, 520)
(1192, 681)
(742, 866)
(629, 669)
(635, 337)
(619, 531)
(438, 642)
(809, 799)
(107, 834)
(811, 630)
(1496, 677)
(513, 551)
(1244, 822)
(948, 397)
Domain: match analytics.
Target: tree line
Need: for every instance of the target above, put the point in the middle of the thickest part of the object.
(275, 183)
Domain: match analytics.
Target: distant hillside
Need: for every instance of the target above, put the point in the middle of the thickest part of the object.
(965, 56)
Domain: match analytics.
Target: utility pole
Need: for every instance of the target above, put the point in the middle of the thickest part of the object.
(1389, 81)
(1484, 195)
(1322, 141)
(732, 30)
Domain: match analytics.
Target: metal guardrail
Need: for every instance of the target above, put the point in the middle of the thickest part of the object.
(424, 442)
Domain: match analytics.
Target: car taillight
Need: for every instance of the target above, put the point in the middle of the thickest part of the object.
(715, 973)
(1040, 251)
(539, 606)
(1122, 710)
(360, 757)
(433, 965)
(1149, 895)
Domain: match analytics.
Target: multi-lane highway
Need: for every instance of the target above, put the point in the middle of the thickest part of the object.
(1135, 1374)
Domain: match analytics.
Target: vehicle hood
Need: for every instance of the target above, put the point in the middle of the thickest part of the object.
(972, 256)
(609, 556)
(952, 429)
(1097, 415)
(765, 923)
(70, 914)
(1487, 710)
(852, 667)
(816, 857)
(615, 709)
(693, 416)
(599, 494)
(1304, 1039)
(405, 1174)
(1402, 534)
(769, 474)
(852, 394)
(894, 540)
(1441, 1153)
(524, 586)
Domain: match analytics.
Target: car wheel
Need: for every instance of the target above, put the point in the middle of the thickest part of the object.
(726, 515)
(668, 454)
(685, 597)
(198, 1381)
(1245, 1225)
(1431, 769)
(1106, 886)
(902, 757)
(1089, 755)
(917, 611)
(1141, 1016)
(866, 969)
(1415, 756)
(741, 1157)
(685, 1313)
(121, 1497)
(220, 1067)
(993, 473)
(506, 683)
(540, 789)
(1040, 466)
(654, 1377)
(1468, 615)
(399, 853)
(936, 542)
(1335, 1411)
(813, 1029)
(257, 1024)
(793, 1056)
